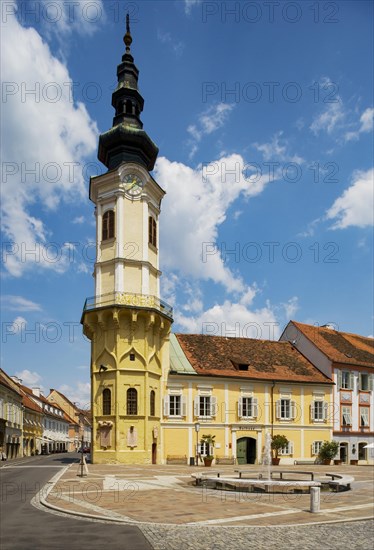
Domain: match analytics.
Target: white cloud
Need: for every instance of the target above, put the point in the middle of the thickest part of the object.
(331, 118)
(80, 393)
(366, 125)
(189, 4)
(18, 303)
(30, 379)
(79, 220)
(355, 206)
(232, 319)
(166, 38)
(200, 202)
(208, 122)
(61, 133)
(291, 307)
(64, 18)
(277, 150)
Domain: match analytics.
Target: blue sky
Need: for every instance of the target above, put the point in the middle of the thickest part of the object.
(263, 114)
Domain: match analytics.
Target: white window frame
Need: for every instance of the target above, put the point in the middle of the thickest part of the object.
(204, 449)
(321, 415)
(182, 405)
(210, 408)
(287, 450)
(280, 409)
(345, 380)
(365, 416)
(316, 447)
(247, 403)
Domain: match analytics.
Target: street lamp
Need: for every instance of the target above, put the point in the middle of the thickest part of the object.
(197, 429)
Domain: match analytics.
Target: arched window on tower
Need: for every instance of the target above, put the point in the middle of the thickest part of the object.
(108, 225)
(107, 402)
(132, 401)
(152, 231)
(152, 403)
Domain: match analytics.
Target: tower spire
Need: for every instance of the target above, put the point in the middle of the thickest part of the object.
(127, 38)
(126, 141)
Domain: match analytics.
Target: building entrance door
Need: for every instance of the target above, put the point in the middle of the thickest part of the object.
(343, 452)
(154, 453)
(246, 450)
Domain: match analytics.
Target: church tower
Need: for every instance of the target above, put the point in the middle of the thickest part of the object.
(126, 321)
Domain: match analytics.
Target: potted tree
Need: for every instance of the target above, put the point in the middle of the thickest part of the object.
(328, 450)
(277, 443)
(208, 439)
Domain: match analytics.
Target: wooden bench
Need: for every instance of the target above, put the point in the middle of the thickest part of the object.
(176, 459)
(305, 462)
(297, 472)
(225, 460)
(338, 481)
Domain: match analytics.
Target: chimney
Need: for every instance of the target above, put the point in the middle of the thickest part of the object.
(16, 379)
(36, 391)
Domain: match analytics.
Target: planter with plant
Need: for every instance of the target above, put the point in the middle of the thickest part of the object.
(208, 440)
(328, 451)
(278, 442)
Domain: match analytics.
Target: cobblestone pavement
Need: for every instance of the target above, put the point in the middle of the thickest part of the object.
(175, 514)
(358, 535)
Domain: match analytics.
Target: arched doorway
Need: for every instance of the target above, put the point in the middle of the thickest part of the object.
(362, 452)
(246, 450)
(343, 452)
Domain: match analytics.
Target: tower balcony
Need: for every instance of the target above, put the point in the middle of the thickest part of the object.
(128, 300)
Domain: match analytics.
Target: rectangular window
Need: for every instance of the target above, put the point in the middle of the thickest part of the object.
(287, 450)
(346, 416)
(205, 406)
(319, 411)
(345, 380)
(364, 416)
(285, 409)
(316, 447)
(365, 381)
(175, 405)
(247, 407)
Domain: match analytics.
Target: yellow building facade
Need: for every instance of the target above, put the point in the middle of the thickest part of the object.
(155, 394)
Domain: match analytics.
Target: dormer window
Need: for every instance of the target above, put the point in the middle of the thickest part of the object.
(243, 366)
(108, 225)
(240, 365)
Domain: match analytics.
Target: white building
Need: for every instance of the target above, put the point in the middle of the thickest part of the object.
(349, 360)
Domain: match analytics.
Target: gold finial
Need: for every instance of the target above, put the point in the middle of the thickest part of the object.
(127, 38)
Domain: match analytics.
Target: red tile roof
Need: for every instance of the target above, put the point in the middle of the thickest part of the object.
(266, 359)
(7, 381)
(340, 347)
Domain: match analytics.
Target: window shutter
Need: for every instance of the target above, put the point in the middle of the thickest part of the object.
(278, 409)
(360, 380)
(371, 382)
(255, 407)
(196, 406)
(312, 411)
(339, 379)
(183, 406)
(293, 410)
(351, 378)
(211, 450)
(166, 405)
(240, 407)
(213, 406)
(325, 410)
(290, 448)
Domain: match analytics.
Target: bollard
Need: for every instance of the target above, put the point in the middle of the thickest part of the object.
(315, 499)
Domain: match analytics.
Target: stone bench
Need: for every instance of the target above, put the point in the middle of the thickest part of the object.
(304, 462)
(176, 459)
(230, 460)
(237, 483)
(202, 476)
(340, 481)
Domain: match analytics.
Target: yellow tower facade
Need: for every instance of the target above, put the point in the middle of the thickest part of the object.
(126, 321)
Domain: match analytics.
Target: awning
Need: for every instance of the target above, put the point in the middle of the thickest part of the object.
(369, 446)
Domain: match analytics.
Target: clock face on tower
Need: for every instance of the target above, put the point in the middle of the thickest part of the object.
(133, 184)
